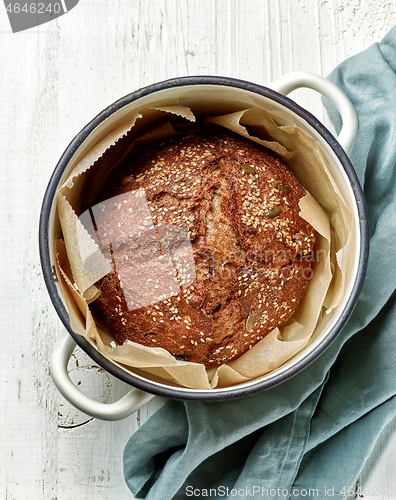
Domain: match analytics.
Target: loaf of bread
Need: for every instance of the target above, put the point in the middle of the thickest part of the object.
(208, 249)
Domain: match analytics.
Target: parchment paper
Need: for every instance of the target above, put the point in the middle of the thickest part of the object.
(330, 218)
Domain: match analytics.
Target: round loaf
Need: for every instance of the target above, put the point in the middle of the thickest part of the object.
(208, 249)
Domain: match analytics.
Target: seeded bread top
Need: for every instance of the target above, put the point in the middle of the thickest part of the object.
(208, 249)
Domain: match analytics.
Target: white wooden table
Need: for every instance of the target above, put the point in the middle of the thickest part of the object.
(54, 79)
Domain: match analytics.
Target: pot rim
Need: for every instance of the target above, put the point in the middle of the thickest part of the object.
(178, 392)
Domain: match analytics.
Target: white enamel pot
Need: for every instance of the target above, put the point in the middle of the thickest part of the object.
(211, 94)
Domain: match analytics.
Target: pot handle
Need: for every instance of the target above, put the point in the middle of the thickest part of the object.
(122, 408)
(350, 123)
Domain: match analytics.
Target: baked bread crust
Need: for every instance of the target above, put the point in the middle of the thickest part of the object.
(208, 249)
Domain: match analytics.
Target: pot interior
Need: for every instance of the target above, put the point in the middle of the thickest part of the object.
(221, 98)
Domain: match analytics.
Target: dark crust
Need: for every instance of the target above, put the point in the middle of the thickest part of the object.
(251, 267)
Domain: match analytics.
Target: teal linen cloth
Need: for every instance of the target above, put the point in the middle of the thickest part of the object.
(309, 436)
